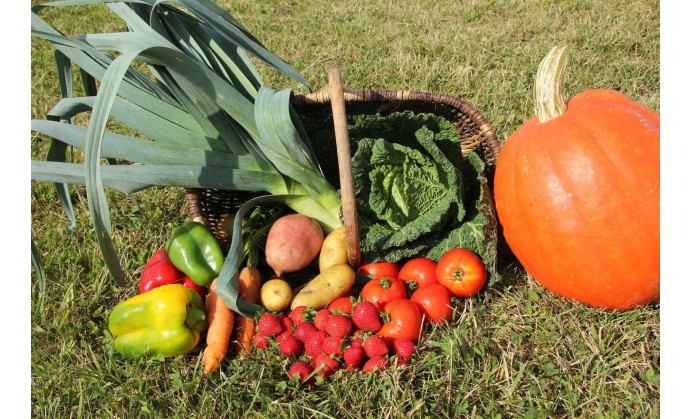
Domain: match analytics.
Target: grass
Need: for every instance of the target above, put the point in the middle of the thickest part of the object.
(514, 351)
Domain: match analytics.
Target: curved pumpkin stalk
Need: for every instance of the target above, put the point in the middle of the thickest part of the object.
(548, 86)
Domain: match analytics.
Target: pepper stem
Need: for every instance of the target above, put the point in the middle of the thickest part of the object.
(548, 86)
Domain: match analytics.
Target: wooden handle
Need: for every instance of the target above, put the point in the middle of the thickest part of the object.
(347, 188)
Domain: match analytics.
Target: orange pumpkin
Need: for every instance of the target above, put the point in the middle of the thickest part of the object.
(577, 194)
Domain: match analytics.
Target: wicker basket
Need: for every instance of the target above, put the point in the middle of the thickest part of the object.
(215, 207)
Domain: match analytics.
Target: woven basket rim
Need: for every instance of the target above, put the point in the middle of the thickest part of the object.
(322, 97)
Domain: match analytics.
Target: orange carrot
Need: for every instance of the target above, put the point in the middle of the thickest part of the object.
(250, 289)
(220, 324)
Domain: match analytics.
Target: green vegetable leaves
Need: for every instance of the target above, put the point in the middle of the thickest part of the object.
(416, 194)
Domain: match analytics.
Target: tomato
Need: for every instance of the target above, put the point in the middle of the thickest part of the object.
(406, 320)
(434, 301)
(341, 304)
(418, 272)
(383, 290)
(379, 269)
(461, 271)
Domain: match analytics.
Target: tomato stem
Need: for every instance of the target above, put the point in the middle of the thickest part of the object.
(458, 274)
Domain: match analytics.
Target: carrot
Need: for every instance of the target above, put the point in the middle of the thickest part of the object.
(250, 289)
(220, 324)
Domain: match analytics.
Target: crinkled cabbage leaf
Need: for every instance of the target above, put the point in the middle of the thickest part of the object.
(413, 199)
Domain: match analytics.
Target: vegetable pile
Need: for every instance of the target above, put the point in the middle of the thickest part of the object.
(365, 319)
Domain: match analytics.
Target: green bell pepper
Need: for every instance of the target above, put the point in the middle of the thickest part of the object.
(194, 250)
(168, 321)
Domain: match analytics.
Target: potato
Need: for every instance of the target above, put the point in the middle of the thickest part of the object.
(330, 284)
(334, 249)
(276, 294)
(293, 241)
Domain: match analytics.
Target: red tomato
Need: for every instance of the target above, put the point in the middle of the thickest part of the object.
(418, 272)
(383, 290)
(434, 300)
(406, 321)
(342, 304)
(379, 269)
(461, 271)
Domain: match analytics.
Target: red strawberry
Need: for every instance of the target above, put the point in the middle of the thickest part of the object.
(304, 329)
(286, 322)
(376, 363)
(357, 341)
(350, 367)
(320, 318)
(354, 355)
(375, 346)
(330, 365)
(269, 325)
(291, 346)
(366, 316)
(338, 325)
(312, 344)
(332, 345)
(260, 341)
(403, 348)
(281, 337)
(301, 369)
(297, 315)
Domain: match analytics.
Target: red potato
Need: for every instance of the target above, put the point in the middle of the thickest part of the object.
(293, 242)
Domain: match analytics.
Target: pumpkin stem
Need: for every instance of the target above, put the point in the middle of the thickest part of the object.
(548, 87)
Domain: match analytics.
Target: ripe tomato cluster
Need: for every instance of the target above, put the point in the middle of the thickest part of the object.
(458, 273)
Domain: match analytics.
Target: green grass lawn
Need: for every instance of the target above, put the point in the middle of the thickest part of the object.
(514, 351)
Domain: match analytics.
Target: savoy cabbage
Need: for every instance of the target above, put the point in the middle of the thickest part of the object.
(416, 194)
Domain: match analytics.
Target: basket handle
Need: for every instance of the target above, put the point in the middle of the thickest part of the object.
(347, 189)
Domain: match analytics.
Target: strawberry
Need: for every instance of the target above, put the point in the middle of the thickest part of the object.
(320, 318)
(284, 335)
(304, 329)
(338, 325)
(286, 322)
(350, 367)
(325, 365)
(354, 355)
(375, 346)
(332, 345)
(260, 341)
(376, 363)
(403, 348)
(290, 346)
(297, 315)
(301, 370)
(366, 316)
(313, 343)
(356, 341)
(269, 325)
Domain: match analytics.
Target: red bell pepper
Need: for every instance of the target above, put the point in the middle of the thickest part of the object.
(159, 270)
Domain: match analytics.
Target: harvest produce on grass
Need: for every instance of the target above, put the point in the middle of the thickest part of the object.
(250, 290)
(578, 187)
(293, 242)
(166, 321)
(194, 250)
(221, 322)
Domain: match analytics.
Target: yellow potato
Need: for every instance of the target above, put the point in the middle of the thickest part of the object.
(276, 294)
(334, 249)
(330, 284)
